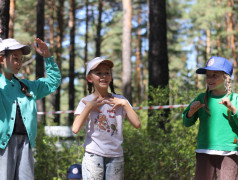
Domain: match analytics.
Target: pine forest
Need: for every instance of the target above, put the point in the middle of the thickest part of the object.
(156, 47)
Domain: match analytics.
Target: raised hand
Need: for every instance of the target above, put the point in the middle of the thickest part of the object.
(195, 106)
(226, 102)
(42, 48)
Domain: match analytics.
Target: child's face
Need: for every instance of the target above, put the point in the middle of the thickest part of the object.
(215, 80)
(100, 76)
(12, 62)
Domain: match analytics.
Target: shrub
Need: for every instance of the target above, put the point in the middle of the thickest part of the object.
(52, 161)
(159, 153)
(150, 153)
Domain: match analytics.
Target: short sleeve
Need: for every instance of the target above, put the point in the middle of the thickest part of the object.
(79, 108)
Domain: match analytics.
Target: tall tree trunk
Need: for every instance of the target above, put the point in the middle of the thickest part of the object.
(99, 27)
(60, 32)
(232, 40)
(219, 36)
(138, 60)
(227, 37)
(4, 18)
(198, 79)
(11, 21)
(208, 43)
(51, 7)
(72, 57)
(158, 54)
(39, 59)
(85, 50)
(126, 49)
(144, 82)
(196, 76)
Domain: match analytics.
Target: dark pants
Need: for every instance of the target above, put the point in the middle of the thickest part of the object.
(210, 166)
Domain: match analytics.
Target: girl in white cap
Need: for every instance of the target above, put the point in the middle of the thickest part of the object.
(217, 147)
(18, 112)
(103, 113)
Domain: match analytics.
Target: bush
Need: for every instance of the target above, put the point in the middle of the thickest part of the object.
(150, 153)
(51, 161)
(170, 153)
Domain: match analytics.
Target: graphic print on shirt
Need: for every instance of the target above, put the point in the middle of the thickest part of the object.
(109, 124)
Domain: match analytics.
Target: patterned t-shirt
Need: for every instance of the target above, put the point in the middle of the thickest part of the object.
(103, 130)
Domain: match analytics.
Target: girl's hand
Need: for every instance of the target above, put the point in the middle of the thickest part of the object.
(195, 106)
(94, 104)
(42, 48)
(130, 113)
(80, 119)
(116, 102)
(226, 102)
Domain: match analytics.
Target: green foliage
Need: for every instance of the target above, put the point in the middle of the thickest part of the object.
(157, 118)
(52, 161)
(170, 154)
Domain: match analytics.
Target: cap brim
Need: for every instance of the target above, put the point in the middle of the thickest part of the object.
(74, 176)
(203, 70)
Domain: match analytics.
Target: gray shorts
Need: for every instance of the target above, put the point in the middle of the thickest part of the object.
(102, 168)
(16, 160)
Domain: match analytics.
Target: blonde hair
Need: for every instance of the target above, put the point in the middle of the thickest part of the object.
(227, 85)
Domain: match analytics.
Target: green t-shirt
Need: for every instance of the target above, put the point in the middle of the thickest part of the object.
(217, 131)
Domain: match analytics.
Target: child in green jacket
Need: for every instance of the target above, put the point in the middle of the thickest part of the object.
(18, 112)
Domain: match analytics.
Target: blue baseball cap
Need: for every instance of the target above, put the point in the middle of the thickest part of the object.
(217, 64)
(75, 172)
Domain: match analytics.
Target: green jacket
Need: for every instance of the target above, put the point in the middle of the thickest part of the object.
(10, 93)
(216, 131)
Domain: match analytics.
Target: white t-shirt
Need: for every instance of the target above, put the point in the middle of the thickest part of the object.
(103, 130)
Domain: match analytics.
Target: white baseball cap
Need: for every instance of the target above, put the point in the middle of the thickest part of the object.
(95, 62)
(12, 44)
